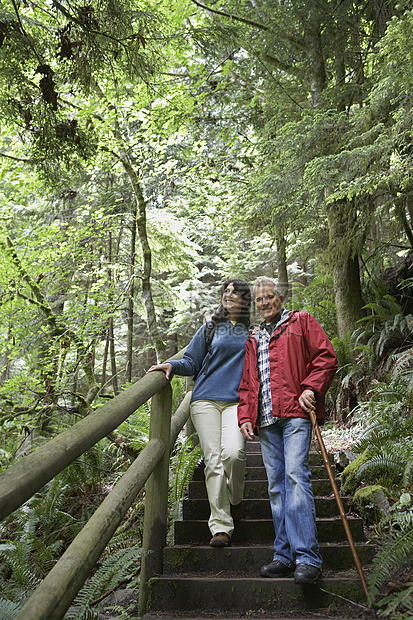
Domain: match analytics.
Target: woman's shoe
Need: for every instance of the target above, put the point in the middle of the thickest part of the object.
(220, 539)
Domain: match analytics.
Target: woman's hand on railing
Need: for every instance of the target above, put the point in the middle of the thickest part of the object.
(166, 368)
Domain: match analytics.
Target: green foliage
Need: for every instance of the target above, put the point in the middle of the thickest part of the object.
(50, 55)
(317, 298)
(8, 609)
(371, 502)
(185, 457)
(397, 606)
(398, 552)
(386, 437)
(119, 564)
(36, 535)
(350, 475)
(344, 352)
(16, 576)
(351, 376)
(135, 429)
(383, 331)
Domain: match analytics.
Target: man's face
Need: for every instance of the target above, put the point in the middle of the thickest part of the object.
(267, 302)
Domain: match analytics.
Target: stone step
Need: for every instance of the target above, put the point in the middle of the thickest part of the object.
(261, 531)
(315, 456)
(259, 488)
(257, 472)
(247, 561)
(254, 459)
(253, 446)
(197, 509)
(254, 456)
(355, 613)
(247, 594)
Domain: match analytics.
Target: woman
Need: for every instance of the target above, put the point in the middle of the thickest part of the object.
(214, 405)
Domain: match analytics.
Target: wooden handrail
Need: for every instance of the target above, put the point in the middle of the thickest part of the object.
(23, 479)
(53, 597)
(59, 588)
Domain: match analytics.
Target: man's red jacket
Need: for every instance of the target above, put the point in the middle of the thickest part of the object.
(301, 356)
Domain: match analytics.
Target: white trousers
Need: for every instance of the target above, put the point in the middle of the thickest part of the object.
(223, 447)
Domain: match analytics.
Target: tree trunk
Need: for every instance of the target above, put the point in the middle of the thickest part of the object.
(131, 299)
(5, 373)
(340, 40)
(282, 263)
(154, 333)
(409, 209)
(124, 158)
(345, 264)
(317, 71)
(402, 216)
(112, 353)
(348, 298)
(105, 363)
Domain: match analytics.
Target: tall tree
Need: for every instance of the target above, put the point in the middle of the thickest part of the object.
(320, 57)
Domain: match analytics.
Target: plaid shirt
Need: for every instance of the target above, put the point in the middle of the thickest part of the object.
(265, 415)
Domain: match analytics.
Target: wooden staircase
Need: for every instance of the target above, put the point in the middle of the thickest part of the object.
(199, 580)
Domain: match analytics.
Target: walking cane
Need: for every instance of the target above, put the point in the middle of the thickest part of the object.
(339, 502)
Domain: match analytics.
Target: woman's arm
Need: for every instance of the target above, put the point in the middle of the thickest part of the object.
(191, 361)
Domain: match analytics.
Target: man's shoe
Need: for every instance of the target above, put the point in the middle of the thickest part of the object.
(237, 512)
(220, 539)
(276, 569)
(305, 573)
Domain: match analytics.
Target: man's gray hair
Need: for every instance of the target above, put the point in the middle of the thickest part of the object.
(267, 280)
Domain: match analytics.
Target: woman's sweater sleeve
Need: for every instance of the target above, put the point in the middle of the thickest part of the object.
(195, 353)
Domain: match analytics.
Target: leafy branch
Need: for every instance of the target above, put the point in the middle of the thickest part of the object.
(58, 330)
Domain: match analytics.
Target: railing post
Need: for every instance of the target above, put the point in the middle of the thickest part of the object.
(156, 497)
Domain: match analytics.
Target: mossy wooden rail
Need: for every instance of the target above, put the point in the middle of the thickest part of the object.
(53, 597)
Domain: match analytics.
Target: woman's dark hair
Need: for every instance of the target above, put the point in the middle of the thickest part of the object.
(244, 290)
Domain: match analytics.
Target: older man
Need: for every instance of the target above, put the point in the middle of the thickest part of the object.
(289, 366)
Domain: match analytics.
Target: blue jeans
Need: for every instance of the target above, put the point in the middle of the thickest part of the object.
(285, 446)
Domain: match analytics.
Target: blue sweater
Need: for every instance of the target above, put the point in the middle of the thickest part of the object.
(225, 363)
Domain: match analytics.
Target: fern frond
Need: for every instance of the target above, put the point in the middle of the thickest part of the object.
(398, 602)
(380, 312)
(370, 436)
(8, 609)
(383, 464)
(116, 568)
(408, 473)
(183, 464)
(402, 519)
(402, 364)
(399, 552)
(121, 614)
(16, 555)
(392, 304)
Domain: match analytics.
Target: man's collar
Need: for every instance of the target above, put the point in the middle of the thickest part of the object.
(270, 326)
(280, 318)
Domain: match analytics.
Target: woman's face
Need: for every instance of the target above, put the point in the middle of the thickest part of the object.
(232, 302)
